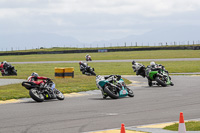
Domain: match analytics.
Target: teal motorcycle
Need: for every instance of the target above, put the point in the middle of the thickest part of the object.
(113, 86)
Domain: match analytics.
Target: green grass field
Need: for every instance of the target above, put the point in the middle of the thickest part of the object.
(155, 54)
(190, 126)
(81, 82)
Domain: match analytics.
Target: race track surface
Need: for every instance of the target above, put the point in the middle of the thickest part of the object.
(91, 112)
(174, 59)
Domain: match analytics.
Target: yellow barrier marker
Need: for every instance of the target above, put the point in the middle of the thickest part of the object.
(59, 72)
(69, 72)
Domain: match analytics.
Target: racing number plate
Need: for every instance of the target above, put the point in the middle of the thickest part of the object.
(124, 91)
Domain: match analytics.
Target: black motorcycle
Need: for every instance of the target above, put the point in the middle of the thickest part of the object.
(39, 93)
(8, 70)
(87, 70)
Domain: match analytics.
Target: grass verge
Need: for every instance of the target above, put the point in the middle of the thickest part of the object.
(190, 126)
(154, 54)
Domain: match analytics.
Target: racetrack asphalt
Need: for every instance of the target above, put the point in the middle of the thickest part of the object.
(130, 60)
(91, 112)
(10, 81)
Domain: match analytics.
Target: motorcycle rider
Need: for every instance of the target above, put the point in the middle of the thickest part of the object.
(138, 68)
(34, 78)
(83, 67)
(1, 67)
(5, 65)
(154, 66)
(87, 57)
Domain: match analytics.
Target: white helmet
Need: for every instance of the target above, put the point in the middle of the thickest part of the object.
(34, 74)
(152, 63)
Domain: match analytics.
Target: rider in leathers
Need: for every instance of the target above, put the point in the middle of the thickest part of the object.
(34, 78)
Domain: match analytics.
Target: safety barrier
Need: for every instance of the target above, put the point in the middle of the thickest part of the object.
(59, 72)
(67, 72)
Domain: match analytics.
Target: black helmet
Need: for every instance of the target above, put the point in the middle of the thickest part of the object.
(133, 62)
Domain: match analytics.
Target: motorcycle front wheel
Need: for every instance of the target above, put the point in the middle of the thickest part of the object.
(162, 83)
(14, 72)
(93, 73)
(59, 95)
(36, 95)
(110, 93)
(130, 92)
(150, 83)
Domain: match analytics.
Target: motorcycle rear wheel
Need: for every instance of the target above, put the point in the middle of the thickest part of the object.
(35, 95)
(163, 84)
(110, 93)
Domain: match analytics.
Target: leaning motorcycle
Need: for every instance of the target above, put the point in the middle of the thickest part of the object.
(88, 71)
(89, 58)
(159, 75)
(113, 86)
(39, 93)
(9, 70)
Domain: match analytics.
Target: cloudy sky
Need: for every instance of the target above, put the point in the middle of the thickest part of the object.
(89, 21)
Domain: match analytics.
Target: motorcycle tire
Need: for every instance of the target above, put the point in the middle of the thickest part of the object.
(93, 73)
(150, 83)
(14, 72)
(163, 84)
(172, 84)
(59, 95)
(110, 93)
(130, 92)
(34, 93)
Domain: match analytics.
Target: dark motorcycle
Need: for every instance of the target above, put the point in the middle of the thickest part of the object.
(41, 92)
(87, 70)
(8, 70)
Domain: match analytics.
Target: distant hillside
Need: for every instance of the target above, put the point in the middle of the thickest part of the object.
(36, 39)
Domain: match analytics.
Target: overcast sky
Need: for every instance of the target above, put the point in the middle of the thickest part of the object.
(96, 20)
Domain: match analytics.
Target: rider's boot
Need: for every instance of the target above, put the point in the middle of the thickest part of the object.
(105, 96)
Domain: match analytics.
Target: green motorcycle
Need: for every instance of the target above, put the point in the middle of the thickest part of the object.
(155, 76)
(160, 75)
